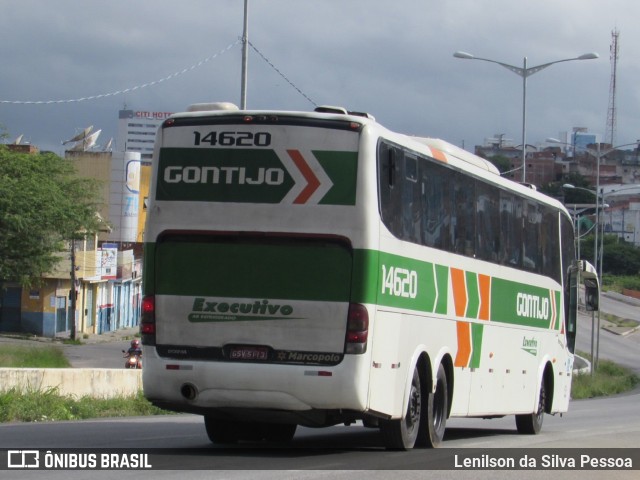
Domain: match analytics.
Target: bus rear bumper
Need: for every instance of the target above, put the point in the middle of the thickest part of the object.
(215, 387)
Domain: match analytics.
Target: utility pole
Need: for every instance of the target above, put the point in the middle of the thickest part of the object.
(72, 291)
(245, 57)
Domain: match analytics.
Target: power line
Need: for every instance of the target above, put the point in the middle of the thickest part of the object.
(126, 90)
(161, 80)
(282, 74)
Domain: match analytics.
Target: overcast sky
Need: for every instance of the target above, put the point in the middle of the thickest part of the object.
(391, 59)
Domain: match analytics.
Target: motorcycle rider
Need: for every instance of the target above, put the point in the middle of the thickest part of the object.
(134, 352)
(135, 348)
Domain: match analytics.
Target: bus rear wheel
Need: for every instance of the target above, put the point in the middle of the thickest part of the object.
(425, 419)
(402, 434)
(437, 411)
(531, 423)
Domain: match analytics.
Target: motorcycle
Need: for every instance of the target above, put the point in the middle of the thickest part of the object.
(134, 360)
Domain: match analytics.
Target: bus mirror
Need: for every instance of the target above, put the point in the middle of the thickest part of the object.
(591, 295)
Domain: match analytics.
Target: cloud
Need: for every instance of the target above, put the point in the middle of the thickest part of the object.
(391, 59)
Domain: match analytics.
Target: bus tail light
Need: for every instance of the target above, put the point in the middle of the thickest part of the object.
(148, 320)
(357, 329)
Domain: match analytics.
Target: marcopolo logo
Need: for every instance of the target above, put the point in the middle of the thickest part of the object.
(216, 310)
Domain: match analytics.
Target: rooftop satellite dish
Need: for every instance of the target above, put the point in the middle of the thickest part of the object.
(107, 147)
(86, 143)
(80, 136)
(18, 140)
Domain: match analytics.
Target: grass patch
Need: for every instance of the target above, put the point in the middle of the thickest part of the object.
(619, 282)
(16, 356)
(609, 379)
(620, 322)
(32, 405)
(45, 406)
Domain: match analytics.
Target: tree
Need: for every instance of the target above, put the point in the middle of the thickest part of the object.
(619, 257)
(570, 195)
(501, 162)
(42, 204)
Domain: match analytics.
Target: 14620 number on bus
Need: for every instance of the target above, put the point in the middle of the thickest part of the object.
(399, 282)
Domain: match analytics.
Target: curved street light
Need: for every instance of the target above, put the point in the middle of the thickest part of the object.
(524, 72)
(598, 253)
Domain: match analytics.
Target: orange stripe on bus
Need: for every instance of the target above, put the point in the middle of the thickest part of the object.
(464, 344)
(439, 155)
(459, 291)
(484, 282)
(312, 181)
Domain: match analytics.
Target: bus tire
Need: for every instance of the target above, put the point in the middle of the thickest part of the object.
(531, 423)
(402, 434)
(221, 431)
(437, 412)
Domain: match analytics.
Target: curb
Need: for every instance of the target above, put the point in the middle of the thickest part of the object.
(581, 365)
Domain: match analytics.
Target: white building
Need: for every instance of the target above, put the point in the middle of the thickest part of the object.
(622, 211)
(137, 131)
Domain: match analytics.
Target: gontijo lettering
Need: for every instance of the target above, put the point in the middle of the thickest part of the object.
(224, 175)
(532, 306)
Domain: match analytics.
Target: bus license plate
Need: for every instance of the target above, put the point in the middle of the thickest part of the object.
(249, 353)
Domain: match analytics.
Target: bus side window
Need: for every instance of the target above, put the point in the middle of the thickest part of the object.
(411, 200)
(390, 188)
(465, 210)
(436, 207)
(531, 236)
(487, 222)
(550, 245)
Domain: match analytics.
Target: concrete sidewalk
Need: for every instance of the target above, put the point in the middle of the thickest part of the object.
(113, 336)
(85, 339)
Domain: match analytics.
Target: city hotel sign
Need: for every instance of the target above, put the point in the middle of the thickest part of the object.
(154, 115)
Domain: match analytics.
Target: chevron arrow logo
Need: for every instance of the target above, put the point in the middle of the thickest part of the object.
(311, 181)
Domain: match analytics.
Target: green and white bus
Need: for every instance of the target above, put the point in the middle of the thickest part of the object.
(315, 268)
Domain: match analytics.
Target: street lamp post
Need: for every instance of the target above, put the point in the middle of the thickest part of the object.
(595, 329)
(598, 256)
(524, 72)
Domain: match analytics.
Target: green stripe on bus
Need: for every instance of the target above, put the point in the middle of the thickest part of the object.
(342, 169)
(251, 175)
(330, 272)
(520, 304)
(477, 330)
(473, 295)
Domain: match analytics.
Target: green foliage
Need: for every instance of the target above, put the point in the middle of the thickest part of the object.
(35, 405)
(609, 379)
(619, 258)
(41, 406)
(42, 204)
(16, 356)
(618, 282)
(570, 195)
(502, 163)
